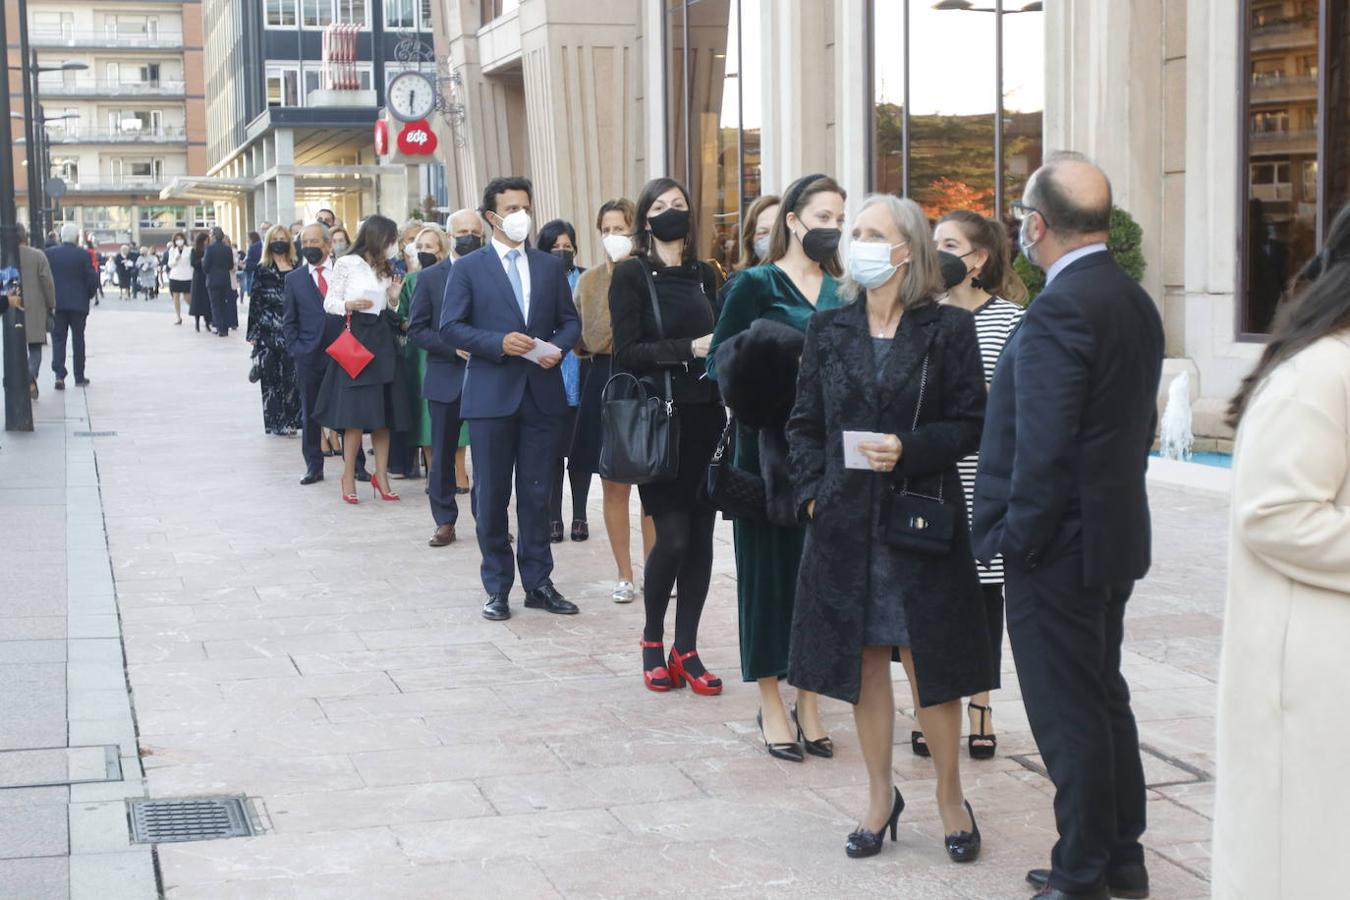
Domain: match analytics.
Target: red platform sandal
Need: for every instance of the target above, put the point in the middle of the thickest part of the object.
(705, 685)
(659, 678)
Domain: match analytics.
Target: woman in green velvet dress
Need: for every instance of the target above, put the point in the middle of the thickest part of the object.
(797, 278)
(433, 246)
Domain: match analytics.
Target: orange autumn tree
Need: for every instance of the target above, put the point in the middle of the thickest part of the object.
(946, 194)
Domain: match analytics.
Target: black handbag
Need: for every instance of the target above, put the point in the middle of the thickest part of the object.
(737, 493)
(640, 432)
(917, 522)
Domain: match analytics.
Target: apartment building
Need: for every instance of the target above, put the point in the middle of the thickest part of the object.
(119, 129)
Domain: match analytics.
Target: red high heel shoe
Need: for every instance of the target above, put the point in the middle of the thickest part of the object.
(659, 678)
(380, 492)
(346, 497)
(705, 685)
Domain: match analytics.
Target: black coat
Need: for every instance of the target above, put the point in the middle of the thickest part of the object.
(217, 264)
(1072, 411)
(838, 391)
(200, 301)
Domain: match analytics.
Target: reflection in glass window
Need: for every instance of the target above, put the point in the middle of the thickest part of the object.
(283, 88)
(1281, 212)
(400, 14)
(281, 13)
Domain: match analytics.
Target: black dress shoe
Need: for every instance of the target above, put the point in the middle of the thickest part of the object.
(546, 597)
(362, 475)
(555, 533)
(1128, 881)
(313, 476)
(497, 608)
(1049, 893)
(964, 846)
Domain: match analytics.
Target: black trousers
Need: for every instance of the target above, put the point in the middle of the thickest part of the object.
(309, 371)
(74, 322)
(1066, 639)
(445, 426)
(521, 444)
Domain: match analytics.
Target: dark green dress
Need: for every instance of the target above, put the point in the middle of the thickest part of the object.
(414, 372)
(767, 556)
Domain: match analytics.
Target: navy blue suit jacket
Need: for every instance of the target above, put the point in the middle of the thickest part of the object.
(1069, 425)
(217, 263)
(480, 309)
(253, 258)
(73, 274)
(445, 370)
(305, 326)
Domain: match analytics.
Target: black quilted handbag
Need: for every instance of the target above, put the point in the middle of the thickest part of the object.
(737, 493)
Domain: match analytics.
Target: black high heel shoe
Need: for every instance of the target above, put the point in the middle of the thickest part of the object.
(964, 846)
(918, 744)
(790, 751)
(862, 843)
(824, 748)
(982, 745)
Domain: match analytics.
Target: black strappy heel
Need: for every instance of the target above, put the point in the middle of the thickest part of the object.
(988, 743)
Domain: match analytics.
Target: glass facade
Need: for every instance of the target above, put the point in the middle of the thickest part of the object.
(958, 99)
(712, 114)
(1296, 172)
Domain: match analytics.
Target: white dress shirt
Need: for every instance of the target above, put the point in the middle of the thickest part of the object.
(1069, 259)
(353, 279)
(522, 266)
(327, 272)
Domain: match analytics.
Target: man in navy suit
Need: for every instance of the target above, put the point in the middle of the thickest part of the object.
(308, 331)
(76, 283)
(500, 301)
(1061, 494)
(441, 389)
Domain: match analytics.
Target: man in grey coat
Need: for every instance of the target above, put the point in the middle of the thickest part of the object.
(39, 304)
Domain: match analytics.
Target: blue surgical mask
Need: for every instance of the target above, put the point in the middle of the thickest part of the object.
(869, 262)
(761, 245)
(1024, 243)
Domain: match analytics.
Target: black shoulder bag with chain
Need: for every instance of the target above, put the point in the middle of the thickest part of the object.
(917, 522)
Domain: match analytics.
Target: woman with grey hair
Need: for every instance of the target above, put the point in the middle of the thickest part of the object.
(890, 396)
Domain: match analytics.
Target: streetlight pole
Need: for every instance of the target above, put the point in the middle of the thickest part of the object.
(18, 404)
(28, 59)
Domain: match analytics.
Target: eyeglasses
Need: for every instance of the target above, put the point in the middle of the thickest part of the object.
(1020, 211)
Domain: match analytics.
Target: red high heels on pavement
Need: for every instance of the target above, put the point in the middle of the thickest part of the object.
(380, 492)
(657, 679)
(348, 498)
(705, 685)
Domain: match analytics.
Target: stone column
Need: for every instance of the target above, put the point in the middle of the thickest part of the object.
(284, 160)
(798, 47)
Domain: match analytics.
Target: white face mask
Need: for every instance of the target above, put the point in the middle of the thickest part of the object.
(516, 226)
(410, 249)
(617, 246)
(392, 253)
(761, 247)
(869, 262)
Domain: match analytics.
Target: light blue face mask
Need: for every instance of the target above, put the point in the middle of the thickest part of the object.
(761, 247)
(869, 262)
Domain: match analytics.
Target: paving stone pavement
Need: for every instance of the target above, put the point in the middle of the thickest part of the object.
(323, 661)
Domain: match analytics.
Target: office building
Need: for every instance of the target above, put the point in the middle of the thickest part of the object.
(287, 135)
(119, 129)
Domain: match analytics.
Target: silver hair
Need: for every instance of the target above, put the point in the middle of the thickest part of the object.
(922, 282)
(323, 229)
(70, 233)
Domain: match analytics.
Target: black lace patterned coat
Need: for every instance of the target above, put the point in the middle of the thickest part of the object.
(839, 390)
(280, 391)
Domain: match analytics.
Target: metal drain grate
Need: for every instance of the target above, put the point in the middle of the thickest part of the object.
(94, 433)
(167, 821)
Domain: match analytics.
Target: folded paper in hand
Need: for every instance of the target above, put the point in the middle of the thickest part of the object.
(375, 296)
(542, 349)
(853, 457)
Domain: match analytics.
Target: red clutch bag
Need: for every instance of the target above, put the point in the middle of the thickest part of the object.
(350, 353)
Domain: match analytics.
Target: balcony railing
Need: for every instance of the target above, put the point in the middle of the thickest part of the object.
(127, 184)
(167, 135)
(1286, 136)
(100, 88)
(168, 40)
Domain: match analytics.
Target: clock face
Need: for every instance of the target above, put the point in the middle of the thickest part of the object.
(411, 96)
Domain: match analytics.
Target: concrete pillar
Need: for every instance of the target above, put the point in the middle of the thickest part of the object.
(135, 223)
(284, 160)
(853, 109)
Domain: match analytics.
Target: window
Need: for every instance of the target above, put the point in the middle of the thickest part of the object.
(203, 216)
(424, 10)
(713, 125)
(283, 88)
(281, 13)
(351, 12)
(316, 13)
(1297, 174)
(53, 25)
(400, 14)
(165, 218)
(965, 142)
(495, 9)
(66, 168)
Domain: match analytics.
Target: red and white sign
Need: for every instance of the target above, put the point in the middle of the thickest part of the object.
(381, 137)
(417, 139)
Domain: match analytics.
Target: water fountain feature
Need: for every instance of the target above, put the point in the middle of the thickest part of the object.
(1176, 440)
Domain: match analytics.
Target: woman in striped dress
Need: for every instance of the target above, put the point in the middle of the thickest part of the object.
(982, 245)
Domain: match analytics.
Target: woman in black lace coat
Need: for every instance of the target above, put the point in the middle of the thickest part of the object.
(861, 599)
(280, 395)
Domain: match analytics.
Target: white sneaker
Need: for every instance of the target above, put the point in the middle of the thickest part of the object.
(624, 592)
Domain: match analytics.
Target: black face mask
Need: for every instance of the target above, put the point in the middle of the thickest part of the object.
(279, 248)
(567, 257)
(427, 260)
(467, 243)
(821, 244)
(670, 225)
(312, 255)
(953, 269)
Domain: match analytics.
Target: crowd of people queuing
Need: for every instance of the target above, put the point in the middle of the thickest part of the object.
(922, 454)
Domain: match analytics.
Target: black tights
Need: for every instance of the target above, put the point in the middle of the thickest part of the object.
(581, 489)
(681, 559)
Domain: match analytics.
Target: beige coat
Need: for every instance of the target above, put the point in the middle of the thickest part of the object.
(1282, 811)
(39, 293)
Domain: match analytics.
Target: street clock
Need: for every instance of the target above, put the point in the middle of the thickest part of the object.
(411, 96)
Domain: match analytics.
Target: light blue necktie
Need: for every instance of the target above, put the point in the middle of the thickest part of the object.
(513, 276)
